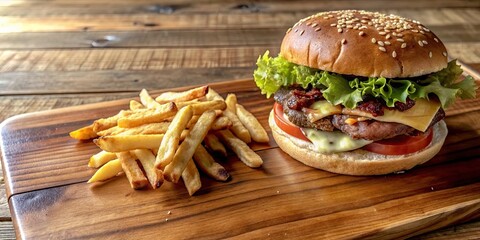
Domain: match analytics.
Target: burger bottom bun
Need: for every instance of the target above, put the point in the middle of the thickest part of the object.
(357, 162)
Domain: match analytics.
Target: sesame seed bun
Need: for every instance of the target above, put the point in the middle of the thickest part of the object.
(357, 162)
(364, 44)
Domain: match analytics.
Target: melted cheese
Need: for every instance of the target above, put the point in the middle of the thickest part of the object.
(321, 109)
(331, 142)
(418, 117)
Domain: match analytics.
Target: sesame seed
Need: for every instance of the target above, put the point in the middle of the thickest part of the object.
(290, 29)
(424, 42)
(399, 35)
(382, 33)
(333, 24)
(388, 36)
(340, 30)
(404, 45)
(361, 33)
(436, 39)
(381, 43)
(426, 29)
(317, 29)
(394, 54)
(444, 54)
(301, 33)
(349, 26)
(309, 23)
(374, 40)
(314, 25)
(387, 43)
(430, 54)
(382, 49)
(296, 29)
(400, 40)
(415, 30)
(420, 43)
(344, 41)
(325, 17)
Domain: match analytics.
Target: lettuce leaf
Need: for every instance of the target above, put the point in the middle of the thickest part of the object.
(273, 73)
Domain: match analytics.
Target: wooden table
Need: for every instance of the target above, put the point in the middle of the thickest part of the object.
(56, 54)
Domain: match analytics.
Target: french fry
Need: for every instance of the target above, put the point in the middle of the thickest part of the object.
(191, 177)
(199, 108)
(157, 114)
(182, 96)
(237, 127)
(222, 123)
(186, 103)
(83, 133)
(170, 141)
(205, 162)
(192, 121)
(106, 123)
(133, 172)
(231, 101)
(212, 142)
(154, 175)
(213, 95)
(134, 105)
(256, 130)
(240, 148)
(101, 158)
(149, 128)
(186, 149)
(147, 100)
(121, 143)
(107, 171)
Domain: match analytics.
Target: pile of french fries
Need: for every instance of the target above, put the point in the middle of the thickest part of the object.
(168, 137)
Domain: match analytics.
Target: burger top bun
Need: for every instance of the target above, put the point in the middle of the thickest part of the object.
(367, 44)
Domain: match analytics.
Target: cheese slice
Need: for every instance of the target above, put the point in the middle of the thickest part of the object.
(321, 109)
(418, 117)
(332, 142)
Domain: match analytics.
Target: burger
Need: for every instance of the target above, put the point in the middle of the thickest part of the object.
(360, 93)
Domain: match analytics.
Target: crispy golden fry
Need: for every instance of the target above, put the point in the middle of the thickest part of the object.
(199, 108)
(154, 175)
(186, 149)
(121, 143)
(213, 95)
(101, 158)
(205, 162)
(131, 169)
(182, 96)
(106, 123)
(191, 177)
(147, 100)
(192, 121)
(186, 103)
(240, 148)
(170, 141)
(231, 101)
(150, 116)
(237, 127)
(134, 105)
(256, 130)
(212, 142)
(83, 133)
(107, 171)
(222, 123)
(149, 128)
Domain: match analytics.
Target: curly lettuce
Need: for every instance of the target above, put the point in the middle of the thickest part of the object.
(274, 72)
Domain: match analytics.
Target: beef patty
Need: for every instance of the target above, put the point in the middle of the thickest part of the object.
(370, 129)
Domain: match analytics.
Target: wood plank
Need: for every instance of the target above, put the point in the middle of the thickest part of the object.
(28, 8)
(129, 59)
(140, 22)
(464, 231)
(111, 81)
(187, 38)
(67, 60)
(7, 232)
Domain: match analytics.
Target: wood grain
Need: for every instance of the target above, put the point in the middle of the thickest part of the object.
(141, 22)
(442, 192)
(187, 38)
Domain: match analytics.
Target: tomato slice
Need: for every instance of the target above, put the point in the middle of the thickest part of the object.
(401, 144)
(285, 124)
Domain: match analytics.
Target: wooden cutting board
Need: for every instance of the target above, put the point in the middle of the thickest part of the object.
(46, 172)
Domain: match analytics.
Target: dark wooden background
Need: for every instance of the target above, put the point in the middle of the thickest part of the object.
(57, 53)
